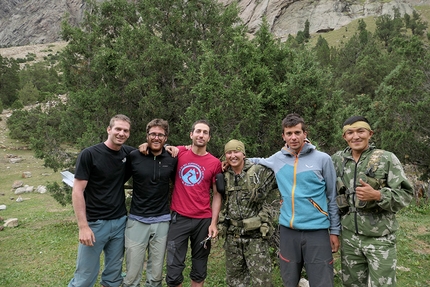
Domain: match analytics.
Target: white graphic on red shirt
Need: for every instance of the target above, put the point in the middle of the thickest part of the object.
(191, 174)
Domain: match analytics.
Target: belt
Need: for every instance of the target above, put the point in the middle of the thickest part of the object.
(248, 235)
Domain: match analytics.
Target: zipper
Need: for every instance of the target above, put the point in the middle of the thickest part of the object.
(296, 162)
(354, 196)
(316, 205)
(154, 176)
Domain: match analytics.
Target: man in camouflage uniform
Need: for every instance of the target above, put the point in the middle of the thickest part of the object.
(372, 187)
(246, 217)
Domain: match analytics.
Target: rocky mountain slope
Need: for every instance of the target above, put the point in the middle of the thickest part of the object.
(24, 22)
(289, 16)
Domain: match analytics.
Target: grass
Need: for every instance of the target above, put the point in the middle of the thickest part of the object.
(336, 38)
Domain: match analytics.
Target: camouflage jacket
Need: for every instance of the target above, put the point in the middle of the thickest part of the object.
(384, 172)
(248, 196)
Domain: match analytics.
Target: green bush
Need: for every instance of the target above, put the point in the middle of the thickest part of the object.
(17, 105)
(21, 60)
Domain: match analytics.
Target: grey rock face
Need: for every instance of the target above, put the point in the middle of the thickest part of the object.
(36, 21)
(289, 16)
(24, 22)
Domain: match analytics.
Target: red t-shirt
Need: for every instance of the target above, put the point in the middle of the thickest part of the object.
(195, 176)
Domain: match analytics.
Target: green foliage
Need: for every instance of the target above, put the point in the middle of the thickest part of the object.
(303, 35)
(144, 70)
(29, 94)
(30, 57)
(20, 125)
(9, 81)
(21, 60)
(322, 51)
(43, 77)
(388, 28)
(43, 130)
(402, 113)
(61, 193)
(17, 105)
(416, 24)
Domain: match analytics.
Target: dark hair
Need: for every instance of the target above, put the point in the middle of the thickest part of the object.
(201, 122)
(292, 120)
(158, 123)
(354, 119)
(119, 117)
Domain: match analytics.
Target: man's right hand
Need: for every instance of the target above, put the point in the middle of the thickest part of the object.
(224, 165)
(143, 148)
(172, 150)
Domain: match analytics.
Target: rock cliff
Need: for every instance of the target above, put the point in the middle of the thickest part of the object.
(289, 16)
(24, 22)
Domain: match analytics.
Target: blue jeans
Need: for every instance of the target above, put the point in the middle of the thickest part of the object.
(140, 237)
(109, 236)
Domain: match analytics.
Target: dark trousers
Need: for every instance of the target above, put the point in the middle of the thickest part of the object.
(306, 248)
(181, 230)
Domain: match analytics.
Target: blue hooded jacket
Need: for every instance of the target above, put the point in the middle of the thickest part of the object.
(307, 183)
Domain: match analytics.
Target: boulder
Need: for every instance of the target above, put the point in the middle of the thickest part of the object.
(11, 222)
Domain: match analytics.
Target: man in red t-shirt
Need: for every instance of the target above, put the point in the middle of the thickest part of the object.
(193, 217)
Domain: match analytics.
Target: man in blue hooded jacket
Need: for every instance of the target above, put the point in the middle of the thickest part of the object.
(309, 219)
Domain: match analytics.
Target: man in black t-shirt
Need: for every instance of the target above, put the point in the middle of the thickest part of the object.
(99, 204)
(148, 221)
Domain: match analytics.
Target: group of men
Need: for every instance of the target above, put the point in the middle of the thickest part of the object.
(355, 194)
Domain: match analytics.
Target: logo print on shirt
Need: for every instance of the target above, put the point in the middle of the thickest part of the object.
(191, 174)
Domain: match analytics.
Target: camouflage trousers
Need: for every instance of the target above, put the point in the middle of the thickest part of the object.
(248, 262)
(366, 259)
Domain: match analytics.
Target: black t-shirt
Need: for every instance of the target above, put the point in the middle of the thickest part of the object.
(151, 178)
(104, 169)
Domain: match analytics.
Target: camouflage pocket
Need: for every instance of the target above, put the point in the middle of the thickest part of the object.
(342, 204)
(340, 187)
(341, 201)
(251, 223)
(373, 182)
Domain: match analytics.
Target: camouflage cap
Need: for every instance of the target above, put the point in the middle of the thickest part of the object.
(234, 145)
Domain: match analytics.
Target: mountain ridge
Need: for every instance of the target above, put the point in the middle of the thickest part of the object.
(39, 21)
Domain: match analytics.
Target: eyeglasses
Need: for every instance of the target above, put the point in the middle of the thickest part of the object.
(154, 135)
